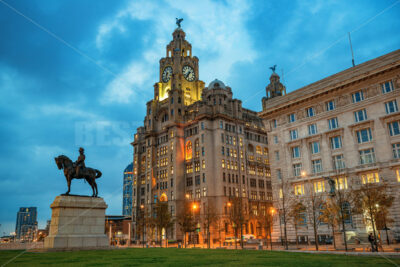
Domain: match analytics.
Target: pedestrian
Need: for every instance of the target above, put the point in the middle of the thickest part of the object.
(371, 240)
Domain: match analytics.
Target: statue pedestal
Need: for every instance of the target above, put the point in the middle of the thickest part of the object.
(77, 222)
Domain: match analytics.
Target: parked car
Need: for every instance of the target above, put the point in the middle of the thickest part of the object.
(248, 237)
(253, 241)
(329, 241)
(231, 240)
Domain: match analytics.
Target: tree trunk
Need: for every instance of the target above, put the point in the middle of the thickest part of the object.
(333, 237)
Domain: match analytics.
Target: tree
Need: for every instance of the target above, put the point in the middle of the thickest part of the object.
(186, 220)
(210, 217)
(237, 217)
(313, 206)
(162, 219)
(296, 213)
(283, 201)
(265, 219)
(371, 200)
(330, 215)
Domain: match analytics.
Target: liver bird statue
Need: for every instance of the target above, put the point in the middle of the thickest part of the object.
(178, 22)
(273, 68)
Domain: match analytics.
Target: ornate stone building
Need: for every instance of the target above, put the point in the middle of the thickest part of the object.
(198, 145)
(346, 127)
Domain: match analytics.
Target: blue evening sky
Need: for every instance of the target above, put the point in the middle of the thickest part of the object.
(79, 72)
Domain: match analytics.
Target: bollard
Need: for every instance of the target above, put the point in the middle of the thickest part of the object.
(260, 246)
(179, 245)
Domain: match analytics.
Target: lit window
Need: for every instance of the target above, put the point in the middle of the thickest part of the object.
(188, 150)
(299, 189)
(319, 187)
(258, 150)
(341, 183)
(396, 150)
(316, 166)
(330, 105)
(223, 164)
(367, 156)
(398, 175)
(203, 164)
(394, 128)
(314, 147)
(387, 87)
(293, 134)
(338, 162)
(310, 112)
(189, 167)
(280, 193)
(360, 115)
(292, 117)
(204, 192)
(312, 129)
(297, 169)
(357, 96)
(333, 123)
(364, 135)
(296, 152)
(336, 142)
(391, 107)
(369, 178)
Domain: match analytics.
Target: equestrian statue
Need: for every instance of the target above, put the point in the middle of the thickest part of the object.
(78, 170)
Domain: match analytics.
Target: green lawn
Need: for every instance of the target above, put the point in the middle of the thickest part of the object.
(187, 257)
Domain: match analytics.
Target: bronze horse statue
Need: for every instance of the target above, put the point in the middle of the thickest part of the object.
(89, 174)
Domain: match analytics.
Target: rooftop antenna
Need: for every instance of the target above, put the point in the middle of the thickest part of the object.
(352, 54)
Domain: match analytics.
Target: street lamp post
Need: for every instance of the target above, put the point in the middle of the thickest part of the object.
(194, 208)
(272, 212)
(142, 209)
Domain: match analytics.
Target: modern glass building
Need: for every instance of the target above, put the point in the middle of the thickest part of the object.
(26, 222)
(127, 191)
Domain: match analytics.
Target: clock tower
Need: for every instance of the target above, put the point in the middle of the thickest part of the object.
(179, 73)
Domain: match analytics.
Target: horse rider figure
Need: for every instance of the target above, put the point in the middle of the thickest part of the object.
(80, 162)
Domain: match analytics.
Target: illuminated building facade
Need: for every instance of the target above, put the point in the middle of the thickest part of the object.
(346, 127)
(127, 191)
(26, 225)
(198, 144)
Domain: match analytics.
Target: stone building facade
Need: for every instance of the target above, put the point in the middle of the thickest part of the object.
(346, 127)
(198, 144)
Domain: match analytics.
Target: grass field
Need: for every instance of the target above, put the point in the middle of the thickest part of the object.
(187, 257)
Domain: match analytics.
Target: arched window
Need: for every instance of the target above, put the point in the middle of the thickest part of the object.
(163, 197)
(188, 150)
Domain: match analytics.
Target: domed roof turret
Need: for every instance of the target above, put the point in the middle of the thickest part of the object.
(216, 84)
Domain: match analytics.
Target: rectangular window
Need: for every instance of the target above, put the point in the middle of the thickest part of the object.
(223, 151)
(316, 166)
(338, 162)
(274, 123)
(292, 117)
(275, 139)
(277, 155)
(312, 129)
(296, 152)
(396, 151)
(189, 181)
(357, 96)
(369, 178)
(293, 134)
(202, 125)
(203, 164)
(223, 163)
(197, 180)
(367, 156)
(364, 135)
(279, 174)
(189, 167)
(310, 112)
(394, 128)
(297, 169)
(341, 183)
(387, 87)
(319, 187)
(391, 107)
(314, 147)
(333, 123)
(221, 125)
(360, 115)
(253, 183)
(336, 142)
(299, 189)
(198, 193)
(330, 105)
(398, 175)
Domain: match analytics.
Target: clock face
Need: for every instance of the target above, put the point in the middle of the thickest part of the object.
(188, 73)
(166, 75)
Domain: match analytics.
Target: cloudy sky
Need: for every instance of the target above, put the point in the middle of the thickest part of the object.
(78, 73)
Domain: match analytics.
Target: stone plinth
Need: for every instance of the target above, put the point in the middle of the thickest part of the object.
(77, 222)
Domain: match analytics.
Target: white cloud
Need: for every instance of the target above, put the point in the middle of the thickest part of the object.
(216, 30)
